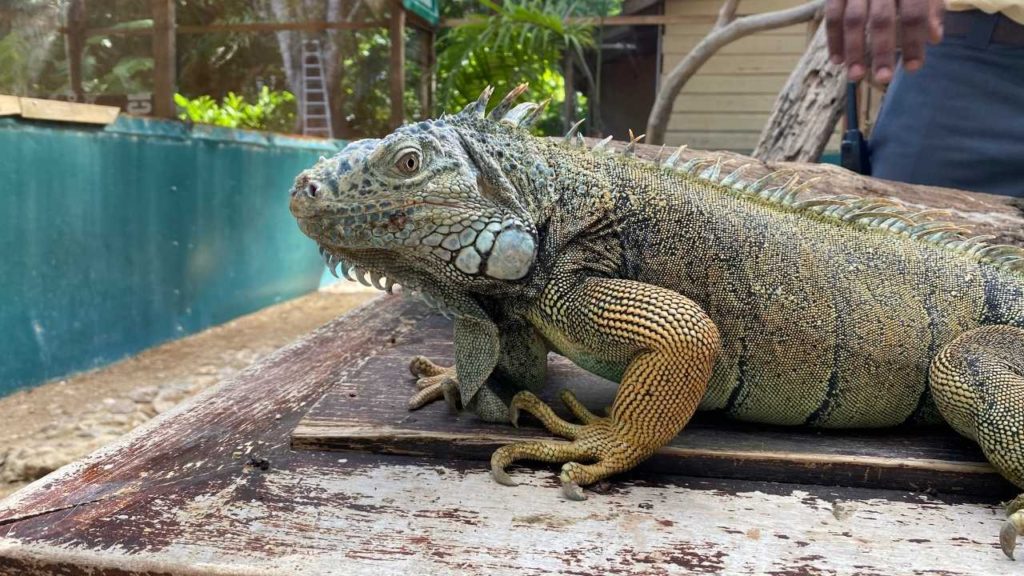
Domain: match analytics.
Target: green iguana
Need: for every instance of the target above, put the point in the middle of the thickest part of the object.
(691, 288)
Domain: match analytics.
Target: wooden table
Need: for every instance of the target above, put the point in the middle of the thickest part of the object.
(216, 486)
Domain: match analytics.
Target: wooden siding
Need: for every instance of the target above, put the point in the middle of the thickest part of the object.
(727, 103)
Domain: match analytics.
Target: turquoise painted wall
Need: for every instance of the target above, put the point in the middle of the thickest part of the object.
(117, 238)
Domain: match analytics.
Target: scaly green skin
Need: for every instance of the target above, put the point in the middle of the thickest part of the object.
(692, 289)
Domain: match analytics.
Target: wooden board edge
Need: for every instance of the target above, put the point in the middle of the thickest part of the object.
(915, 475)
(309, 435)
(10, 105)
(57, 111)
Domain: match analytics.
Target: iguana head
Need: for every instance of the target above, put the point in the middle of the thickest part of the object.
(430, 205)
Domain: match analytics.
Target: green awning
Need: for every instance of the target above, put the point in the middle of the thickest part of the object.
(426, 9)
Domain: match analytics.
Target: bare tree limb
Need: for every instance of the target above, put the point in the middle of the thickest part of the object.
(706, 48)
(727, 13)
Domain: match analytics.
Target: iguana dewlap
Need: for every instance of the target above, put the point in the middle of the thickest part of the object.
(692, 287)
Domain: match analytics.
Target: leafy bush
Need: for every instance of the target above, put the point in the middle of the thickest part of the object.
(515, 42)
(273, 110)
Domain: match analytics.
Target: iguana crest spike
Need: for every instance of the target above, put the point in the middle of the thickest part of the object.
(506, 103)
(570, 136)
(532, 118)
(672, 160)
(878, 213)
(518, 115)
(661, 152)
(602, 145)
(630, 149)
(478, 109)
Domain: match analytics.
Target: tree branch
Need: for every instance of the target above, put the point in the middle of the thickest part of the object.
(707, 47)
(727, 13)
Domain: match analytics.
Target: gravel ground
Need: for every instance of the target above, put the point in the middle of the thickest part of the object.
(58, 422)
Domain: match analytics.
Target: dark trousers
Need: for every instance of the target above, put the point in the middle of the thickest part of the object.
(959, 120)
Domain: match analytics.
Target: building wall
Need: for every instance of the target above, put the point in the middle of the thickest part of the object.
(727, 103)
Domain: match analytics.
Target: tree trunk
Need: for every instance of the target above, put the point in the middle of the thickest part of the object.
(1000, 216)
(333, 70)
(288, 44)
(807, 109)
(568, 69)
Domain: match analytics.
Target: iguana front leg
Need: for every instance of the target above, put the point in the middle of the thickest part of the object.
(663, 345)
(521, 364)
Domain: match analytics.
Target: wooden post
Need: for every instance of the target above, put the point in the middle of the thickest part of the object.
(75, 46)
(164, 58)
(397, 71)
(427, 75)
(570, 90)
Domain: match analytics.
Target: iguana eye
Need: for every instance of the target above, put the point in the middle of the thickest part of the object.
(408, 163)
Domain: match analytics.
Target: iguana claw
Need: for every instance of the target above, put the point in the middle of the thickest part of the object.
(572, 491)
(513, 415)
(500, 476)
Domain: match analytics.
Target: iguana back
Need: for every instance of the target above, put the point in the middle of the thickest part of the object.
(823, 321)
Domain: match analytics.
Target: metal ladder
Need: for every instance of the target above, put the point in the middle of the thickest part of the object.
(316, 114)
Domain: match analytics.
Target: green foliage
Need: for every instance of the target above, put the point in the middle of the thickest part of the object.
(273, 110)
(14, 74)
(519, 41)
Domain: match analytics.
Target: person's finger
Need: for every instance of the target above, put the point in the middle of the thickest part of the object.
(882, 24)
(834, 29)
(936, 17)
(854, 20)
(914, 25)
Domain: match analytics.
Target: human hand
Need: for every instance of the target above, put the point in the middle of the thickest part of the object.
(914, 21)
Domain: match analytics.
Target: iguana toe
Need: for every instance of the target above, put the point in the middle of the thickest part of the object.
(1013, 527)
(421, 367)
(529, 402)
(434, 382)
(543, 450)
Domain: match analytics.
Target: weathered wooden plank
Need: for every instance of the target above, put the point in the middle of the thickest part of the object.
(711, 7)
(367, 411)
(688, 102)
(212, 488)
(223, 426)
(717, 121)
(10, 105)
(352, 514)
(57, 111)
(738, 64)
(702, 28)
(712, 140)
(725, 84)
(755, 45)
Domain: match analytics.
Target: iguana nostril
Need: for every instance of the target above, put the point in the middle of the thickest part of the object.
(312, 190)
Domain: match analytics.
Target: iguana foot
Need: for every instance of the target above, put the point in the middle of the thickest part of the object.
(596, 442)
(433, 382)
(1013, 526)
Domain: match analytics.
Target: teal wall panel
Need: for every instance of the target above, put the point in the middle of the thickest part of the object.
(115, 239)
